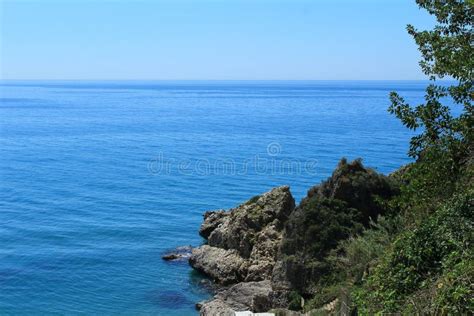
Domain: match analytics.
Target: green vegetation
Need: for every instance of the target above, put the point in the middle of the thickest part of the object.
(295, 301)
(444, 148)
(402, 244)
(252, 200)
(429, 268)
(334, 211)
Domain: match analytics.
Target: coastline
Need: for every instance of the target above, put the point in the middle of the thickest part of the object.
(249, 249)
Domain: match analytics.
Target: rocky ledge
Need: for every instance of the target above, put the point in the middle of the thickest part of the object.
(241, 252)
(246, 251)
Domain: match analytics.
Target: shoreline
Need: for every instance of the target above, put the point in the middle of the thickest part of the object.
(249, 249)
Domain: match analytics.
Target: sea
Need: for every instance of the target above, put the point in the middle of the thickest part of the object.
(99, 179)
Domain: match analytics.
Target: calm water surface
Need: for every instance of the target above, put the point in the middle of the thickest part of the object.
(99, 179)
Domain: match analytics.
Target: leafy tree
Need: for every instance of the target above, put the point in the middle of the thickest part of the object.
(418, 261)
(444, 149)
(428, 268)
(447, 51)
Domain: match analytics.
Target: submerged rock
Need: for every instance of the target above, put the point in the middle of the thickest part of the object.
(168, 299)
(180, 253)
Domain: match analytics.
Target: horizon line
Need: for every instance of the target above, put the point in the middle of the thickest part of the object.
(249, 80)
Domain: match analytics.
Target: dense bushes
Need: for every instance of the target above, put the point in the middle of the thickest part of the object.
(429, 268)
(351, 262)
(361, 188)
(336, 210)
(428, 183)
(322, 224)
(418, 259)
(392, 267)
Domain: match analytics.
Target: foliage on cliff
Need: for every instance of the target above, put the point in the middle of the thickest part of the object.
(363, 242)
(419, 258)
(337, 209)
(447, 51)
(429, 269)
(445, 145)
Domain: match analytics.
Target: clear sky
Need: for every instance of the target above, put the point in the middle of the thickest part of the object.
(209, 39)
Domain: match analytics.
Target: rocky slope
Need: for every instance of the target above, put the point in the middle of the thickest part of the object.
(242, 244)
(265, 249)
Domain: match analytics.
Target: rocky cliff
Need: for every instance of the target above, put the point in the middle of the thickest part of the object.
(265, 250)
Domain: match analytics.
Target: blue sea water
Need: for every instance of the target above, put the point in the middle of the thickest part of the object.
(99, 179)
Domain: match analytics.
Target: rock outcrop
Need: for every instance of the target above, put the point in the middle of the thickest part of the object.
(336, 209)
(357, 186)
(243, 243)
(223, 266)
(252, 296)
(262, 250)
(242, 250)
(212, 219)
(240, 228)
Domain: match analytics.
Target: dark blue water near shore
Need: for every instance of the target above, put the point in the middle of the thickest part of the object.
(98, 179)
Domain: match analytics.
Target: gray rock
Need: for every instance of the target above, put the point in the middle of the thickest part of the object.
(224, 266)
(171, 256)
(279, 276)
(244, 242)
(260, 248)
(243, 245)
(212, 220)
(263, 255)
(215, 307)
(243, 296)
(240, 228)
(180, 253)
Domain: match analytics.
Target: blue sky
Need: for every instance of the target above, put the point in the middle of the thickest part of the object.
(210, 39)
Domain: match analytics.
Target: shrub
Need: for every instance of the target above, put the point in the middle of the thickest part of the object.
(431, 251)
(334, 211)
